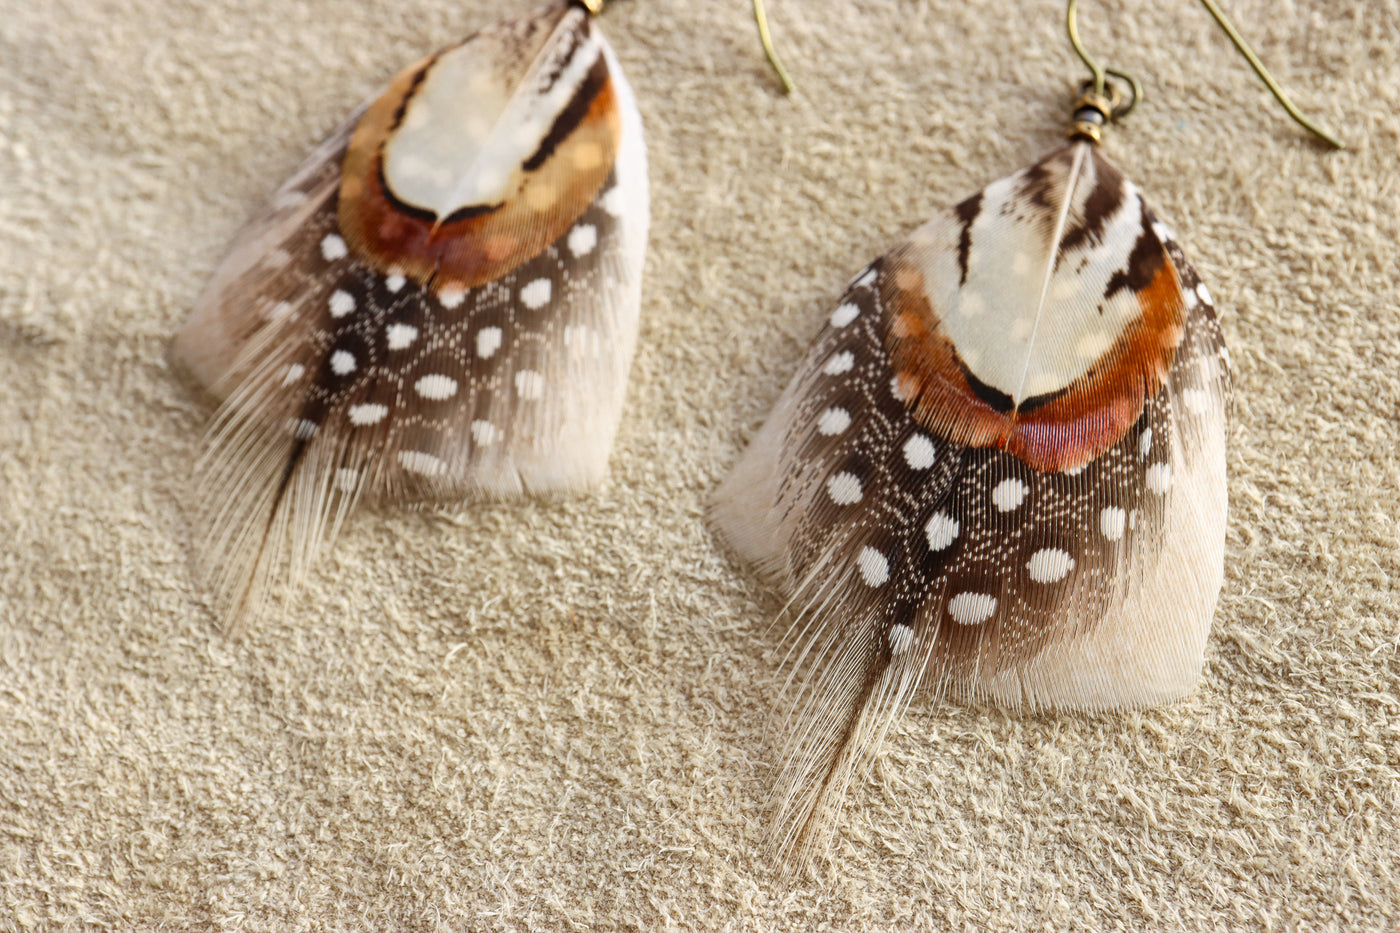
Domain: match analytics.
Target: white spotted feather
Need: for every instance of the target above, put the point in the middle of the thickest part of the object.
(999, 516)
(480, 359)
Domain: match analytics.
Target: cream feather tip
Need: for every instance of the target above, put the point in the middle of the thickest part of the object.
(441, 303)
(999, 473)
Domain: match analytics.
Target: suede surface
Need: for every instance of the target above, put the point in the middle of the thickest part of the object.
(551, 715)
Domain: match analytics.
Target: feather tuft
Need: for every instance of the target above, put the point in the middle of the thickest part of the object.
(440, 304)
(999, 474)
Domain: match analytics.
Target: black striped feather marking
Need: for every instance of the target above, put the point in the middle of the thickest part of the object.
(976, 506)
(449, 355)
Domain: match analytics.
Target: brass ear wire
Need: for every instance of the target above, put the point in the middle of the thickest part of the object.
(594, 7)
(1099, 97)
(1101, 90)
(761, 18)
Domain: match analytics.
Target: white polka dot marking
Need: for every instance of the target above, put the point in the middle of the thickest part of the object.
(333, 248)
(436, 387)
(1074, 470)
(367, 414)
(844, 315)
(1203, 293)
(1050, 565)
(488, 341)
(919, 452)
(582, 239)
(485, 433)
(343, 362)
(613, 201)
(342, 303)
(279, 311)
(972, 608)
(942, 530)
(1009, 494)
(1159, 478)
(537, 294)
(839, 363)
(294, 372)
(529, 384)
(1145, 443)
(901, 637)
(864, 279)
(844, 489)
(394, 283)
(874, 567)
(400, 336)
(1112, 521)
(833, 421)
(424, 464)
(451, 296)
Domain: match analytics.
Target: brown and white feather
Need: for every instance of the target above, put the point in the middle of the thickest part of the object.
(998, 474)
(441, 303)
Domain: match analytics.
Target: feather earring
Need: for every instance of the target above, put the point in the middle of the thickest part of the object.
(999, 473)
(441, 302)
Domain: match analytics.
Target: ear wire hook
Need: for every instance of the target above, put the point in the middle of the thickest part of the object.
(1100, 80)
(594, 7)
(1101, 74)
(761, 18)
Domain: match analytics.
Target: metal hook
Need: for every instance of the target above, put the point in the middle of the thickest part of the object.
(594, 7)
(1101, 73)
(761, 18)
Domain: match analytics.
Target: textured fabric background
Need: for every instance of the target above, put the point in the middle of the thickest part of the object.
(551, 716)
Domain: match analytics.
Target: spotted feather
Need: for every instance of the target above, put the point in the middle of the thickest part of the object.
(440, 303)
(999, 473)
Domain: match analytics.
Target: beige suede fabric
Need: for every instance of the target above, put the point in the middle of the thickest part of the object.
(551, 716)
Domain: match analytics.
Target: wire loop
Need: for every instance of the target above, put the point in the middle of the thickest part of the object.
(1101, 74)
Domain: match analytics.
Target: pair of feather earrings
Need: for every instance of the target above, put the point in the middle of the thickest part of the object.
(1000, 471)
